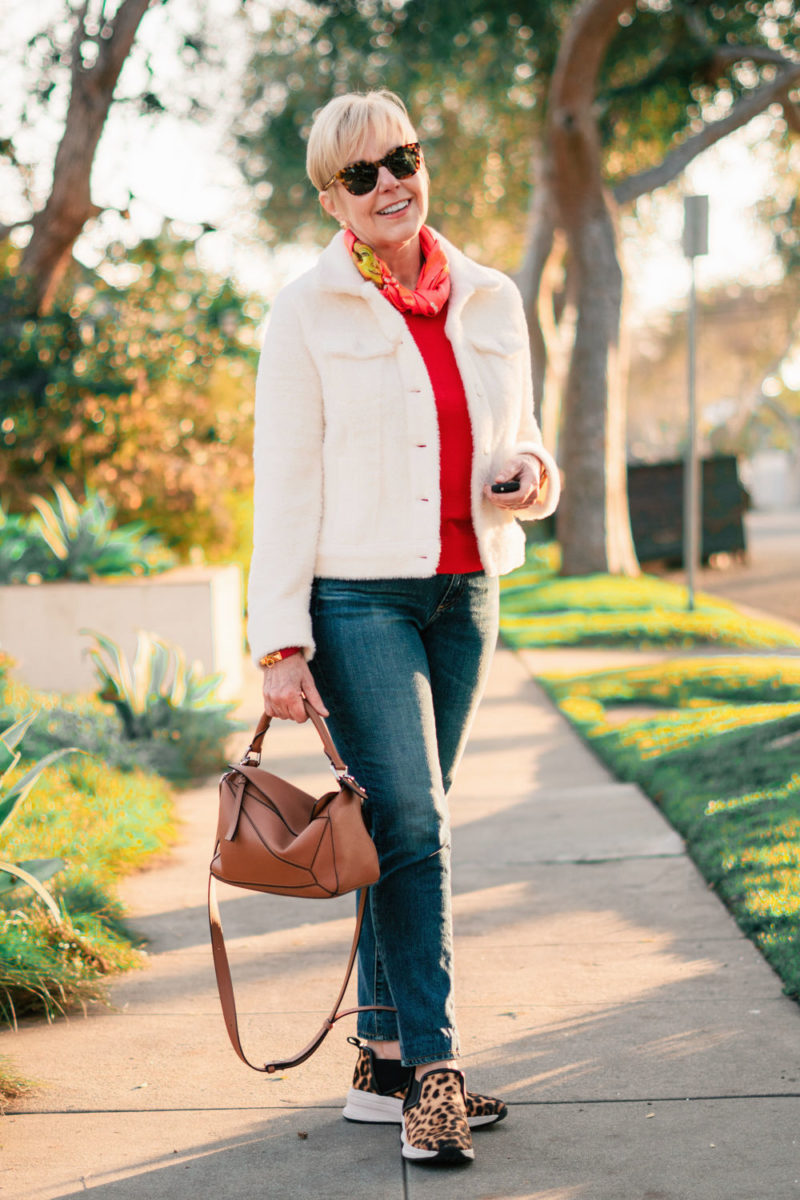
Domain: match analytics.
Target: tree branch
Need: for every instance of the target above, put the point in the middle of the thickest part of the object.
(69, 205)
(792, 114)
(583, 50)
(76, 61)
(114, 50)
(725, 56)
(678, 159)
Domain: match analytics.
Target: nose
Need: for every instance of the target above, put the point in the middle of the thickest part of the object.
(386, 178)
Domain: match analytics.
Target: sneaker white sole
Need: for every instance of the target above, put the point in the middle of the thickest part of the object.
(451, 1154)
(372, 1109)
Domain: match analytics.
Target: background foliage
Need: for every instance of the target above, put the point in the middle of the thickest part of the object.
(137, 384)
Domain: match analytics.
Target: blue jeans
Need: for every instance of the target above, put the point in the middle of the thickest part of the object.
(401, 664)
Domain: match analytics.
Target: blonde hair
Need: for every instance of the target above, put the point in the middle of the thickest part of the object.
(341, 129)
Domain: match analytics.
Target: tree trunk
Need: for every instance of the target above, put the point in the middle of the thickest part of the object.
(539, 244)
(542, 282)
(593, 521)
(69, 205)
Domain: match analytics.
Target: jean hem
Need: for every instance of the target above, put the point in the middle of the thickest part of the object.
(378, 1035)
(428, 1052)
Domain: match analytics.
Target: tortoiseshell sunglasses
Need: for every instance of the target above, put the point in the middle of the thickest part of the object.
(359, 178)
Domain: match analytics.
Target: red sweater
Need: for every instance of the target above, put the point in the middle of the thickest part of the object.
(459, 553)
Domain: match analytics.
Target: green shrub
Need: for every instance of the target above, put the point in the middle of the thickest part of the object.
(141, 391)
(21, 554)
(82, 721)
(167, 709)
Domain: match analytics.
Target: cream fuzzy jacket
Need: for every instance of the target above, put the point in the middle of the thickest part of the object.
(347, 441)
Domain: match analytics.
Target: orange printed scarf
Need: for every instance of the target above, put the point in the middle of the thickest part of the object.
(433, 286)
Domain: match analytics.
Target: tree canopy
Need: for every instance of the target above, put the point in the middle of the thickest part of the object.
(83, 59)
(476, 77)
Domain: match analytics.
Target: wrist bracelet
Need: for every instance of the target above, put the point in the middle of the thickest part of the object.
(269, 660)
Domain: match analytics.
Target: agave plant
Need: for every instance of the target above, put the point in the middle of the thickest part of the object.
(33, 871)
(163, 703)
(82, 541)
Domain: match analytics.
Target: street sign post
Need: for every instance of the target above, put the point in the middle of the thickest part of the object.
(695, 243)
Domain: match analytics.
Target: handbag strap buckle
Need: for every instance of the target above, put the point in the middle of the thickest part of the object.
(343, 776)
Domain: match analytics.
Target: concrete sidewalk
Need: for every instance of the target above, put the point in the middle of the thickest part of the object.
(643, 1043)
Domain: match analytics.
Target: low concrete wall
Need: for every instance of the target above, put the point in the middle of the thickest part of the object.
(198, 608)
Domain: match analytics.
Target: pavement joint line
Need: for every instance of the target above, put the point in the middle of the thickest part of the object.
(300, 1108)
(574, 862)
(522, 1008)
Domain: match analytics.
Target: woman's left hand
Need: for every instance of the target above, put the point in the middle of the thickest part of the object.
(528, 470)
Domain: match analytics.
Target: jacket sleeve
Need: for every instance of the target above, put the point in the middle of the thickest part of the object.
(529, 437)
(287, 497)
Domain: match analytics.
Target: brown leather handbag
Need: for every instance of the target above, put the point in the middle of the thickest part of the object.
(273, 837)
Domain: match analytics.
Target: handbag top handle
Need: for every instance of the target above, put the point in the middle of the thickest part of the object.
(338, 766)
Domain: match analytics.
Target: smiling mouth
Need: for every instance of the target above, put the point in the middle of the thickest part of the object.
(393, 208)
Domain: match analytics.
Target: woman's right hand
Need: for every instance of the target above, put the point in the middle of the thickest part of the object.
(284, 686)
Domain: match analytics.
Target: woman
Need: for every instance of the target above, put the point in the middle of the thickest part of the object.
(393, 393)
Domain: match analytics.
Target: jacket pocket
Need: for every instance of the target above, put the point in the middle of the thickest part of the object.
(350, 367)
(361, 388)
(503, 345)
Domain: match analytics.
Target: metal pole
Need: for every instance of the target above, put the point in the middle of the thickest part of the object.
(695, 243)
(692, 498)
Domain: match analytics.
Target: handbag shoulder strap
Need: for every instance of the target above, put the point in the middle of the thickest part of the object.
(228, 1000)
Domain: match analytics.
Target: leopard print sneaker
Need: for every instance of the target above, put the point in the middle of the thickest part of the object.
(379, 1085)
(435, 1128)
(378, 1089)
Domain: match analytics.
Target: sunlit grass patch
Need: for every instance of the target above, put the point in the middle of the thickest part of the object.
(539, 608)
(13, 1085)
(721, 761)
(102, 822)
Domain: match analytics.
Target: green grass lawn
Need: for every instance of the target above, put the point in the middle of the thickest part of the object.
(718, 750)
(539, 608)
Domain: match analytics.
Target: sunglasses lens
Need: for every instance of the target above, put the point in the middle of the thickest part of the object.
(360, 178)
(403, 162)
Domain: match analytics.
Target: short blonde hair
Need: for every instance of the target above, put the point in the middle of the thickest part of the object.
(341, 129)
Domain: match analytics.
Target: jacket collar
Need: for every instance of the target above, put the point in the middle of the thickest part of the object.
(338, 273)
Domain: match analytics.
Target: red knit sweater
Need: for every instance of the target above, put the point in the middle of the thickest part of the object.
(459, 553)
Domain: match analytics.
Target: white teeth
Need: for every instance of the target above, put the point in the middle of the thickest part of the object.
(394, 207)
